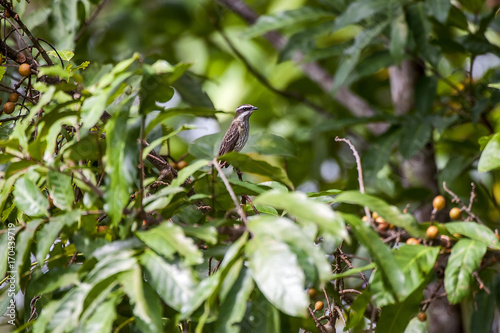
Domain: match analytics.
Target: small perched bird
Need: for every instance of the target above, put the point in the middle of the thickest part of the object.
(237, 133)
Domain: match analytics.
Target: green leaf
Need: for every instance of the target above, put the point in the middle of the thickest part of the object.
(54, 279)
(48, 234)
(420, 29)
(395, 317)
(439, 9)
(474, 231)
(173, 282)
(416, 262)
(353, 53)
(121, 162)
(490, 157)
(305, 209)
(191, 111)
(94, 106)
(189, 87)
(416, 134)
(472, 5)
(276, 270)
(22, 248)
(310, 257)
(284, 19)
(390, 213)
(168, 238)
(146, 305)
(381, 254)
(359, 10)
(426, 92)
(246, 164)
(465, 258)
(233, 308)
(60, 189)
(354, 271)
(29, 199)
(101, 320)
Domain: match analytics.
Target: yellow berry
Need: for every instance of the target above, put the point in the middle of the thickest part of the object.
(439, 202)
(311, 292)
(318, 306)
(8, 107)
(25, 70)
(455, 213)
(432, 232)
(412, 241)
(422, 316)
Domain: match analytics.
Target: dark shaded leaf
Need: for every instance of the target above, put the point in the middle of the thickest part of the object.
(382, 255)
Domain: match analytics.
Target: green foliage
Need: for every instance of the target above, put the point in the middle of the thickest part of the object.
(115, 218)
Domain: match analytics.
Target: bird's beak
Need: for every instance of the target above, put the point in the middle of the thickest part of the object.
(255, 108)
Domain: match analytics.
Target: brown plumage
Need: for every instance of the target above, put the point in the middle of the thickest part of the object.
(237, 133)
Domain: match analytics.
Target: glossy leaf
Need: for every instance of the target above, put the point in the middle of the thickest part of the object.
(465, 258)
(49, 232)
(309, 256)
(490, 157)
(60, 189)
(174, 282)
(234, 307)
(299, 205)
(474, 231)
(29, 199)
(246, 164)
(94, 106)
(101, 321)
(146, 305)
(121, 162)
(276, 271)
(416, 262)
(167, 239)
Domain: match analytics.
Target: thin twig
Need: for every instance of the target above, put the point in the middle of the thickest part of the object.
(23, 27)
(89, 21)
(240, 211)
(319, 325)
(467, 209)
(360, 173)
(481, 283)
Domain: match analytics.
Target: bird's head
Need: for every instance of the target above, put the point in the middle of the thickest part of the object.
(245, 110)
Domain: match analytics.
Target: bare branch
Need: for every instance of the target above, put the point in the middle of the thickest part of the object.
(355, 104)
(240, 211)
(360, 172)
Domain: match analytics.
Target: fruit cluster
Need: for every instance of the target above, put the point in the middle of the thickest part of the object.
(10, 105)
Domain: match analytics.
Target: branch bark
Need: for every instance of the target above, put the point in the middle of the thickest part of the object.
(351, 101)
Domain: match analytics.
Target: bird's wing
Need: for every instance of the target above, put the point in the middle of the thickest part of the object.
(229, 140)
